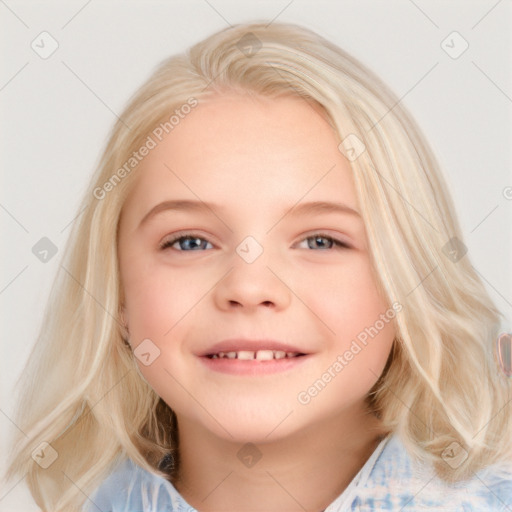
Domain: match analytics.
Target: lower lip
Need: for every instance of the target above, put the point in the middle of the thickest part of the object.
(253, 366)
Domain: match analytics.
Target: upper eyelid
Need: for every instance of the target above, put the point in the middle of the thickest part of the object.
(176, 237)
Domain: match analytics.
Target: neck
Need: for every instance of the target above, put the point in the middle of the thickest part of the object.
(307, 470)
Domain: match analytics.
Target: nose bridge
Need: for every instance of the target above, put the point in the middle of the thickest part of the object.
(250, 250)
(251, 281)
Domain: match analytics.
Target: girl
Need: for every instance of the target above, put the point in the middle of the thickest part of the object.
(267, 305)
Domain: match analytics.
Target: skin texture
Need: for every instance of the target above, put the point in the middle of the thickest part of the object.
(255, 158)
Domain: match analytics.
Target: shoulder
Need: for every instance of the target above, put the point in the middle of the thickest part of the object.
(397, 482)
(130, 488)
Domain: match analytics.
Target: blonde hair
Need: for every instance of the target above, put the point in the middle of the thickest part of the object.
(82, 392)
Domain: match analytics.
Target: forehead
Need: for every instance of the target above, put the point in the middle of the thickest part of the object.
(247, 151)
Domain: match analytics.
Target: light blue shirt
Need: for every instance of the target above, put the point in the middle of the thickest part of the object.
(389, 481)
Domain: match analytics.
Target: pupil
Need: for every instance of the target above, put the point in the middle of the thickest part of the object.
(321, 241)
(192, 241)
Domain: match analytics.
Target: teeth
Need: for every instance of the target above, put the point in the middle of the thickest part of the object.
(264, 355)
(259, 355)
(245, 354)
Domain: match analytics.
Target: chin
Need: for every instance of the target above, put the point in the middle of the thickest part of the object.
(256, 424)
(249, 432)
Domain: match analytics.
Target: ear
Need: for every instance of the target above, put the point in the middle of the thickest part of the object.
(123, 316)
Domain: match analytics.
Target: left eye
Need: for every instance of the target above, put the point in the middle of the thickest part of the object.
(323, 242)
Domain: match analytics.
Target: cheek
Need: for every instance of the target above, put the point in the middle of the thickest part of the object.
(358, 322)
(157, 297)
(346, 300)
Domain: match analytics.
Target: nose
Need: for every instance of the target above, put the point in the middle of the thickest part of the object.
(249, 286)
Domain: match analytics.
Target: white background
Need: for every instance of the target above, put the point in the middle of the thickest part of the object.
(58, 111)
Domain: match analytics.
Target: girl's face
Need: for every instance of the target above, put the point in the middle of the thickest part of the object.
(276, 262)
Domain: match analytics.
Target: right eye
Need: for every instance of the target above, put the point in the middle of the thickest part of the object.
(186, 243)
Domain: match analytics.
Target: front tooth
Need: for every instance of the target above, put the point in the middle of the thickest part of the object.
(231, 355)
(245, 354)
(279, 354)
(264, 355)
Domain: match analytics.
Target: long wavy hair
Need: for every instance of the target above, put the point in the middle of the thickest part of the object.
(81, 390)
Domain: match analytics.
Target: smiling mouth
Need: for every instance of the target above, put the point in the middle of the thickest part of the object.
(259, 355)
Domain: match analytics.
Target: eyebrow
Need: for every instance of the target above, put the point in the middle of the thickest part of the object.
(314, 207)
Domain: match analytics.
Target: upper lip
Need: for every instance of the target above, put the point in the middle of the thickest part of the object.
(236, 345)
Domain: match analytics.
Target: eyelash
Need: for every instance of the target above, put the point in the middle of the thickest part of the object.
(166, 244)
